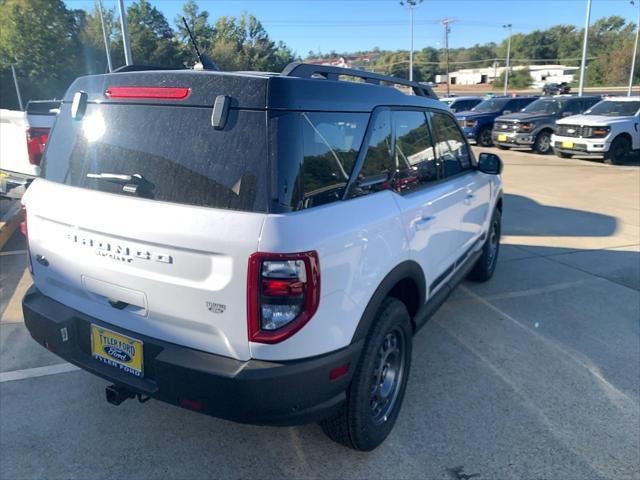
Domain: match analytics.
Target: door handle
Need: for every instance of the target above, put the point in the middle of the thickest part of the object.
(468, 197)
(424, 222)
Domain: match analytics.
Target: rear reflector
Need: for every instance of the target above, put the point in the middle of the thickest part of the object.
(153, 93)
(338, 372)
(196, 405)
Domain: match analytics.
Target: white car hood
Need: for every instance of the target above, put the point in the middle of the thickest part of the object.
(593, 120)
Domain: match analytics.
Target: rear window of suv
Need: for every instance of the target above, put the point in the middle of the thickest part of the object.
(172, 153)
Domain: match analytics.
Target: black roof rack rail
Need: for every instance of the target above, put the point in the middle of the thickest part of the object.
(142, 68)
(308, 70)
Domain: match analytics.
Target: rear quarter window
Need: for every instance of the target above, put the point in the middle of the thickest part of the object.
(315, 153)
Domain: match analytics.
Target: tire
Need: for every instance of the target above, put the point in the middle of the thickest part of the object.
(618, 151)
(364, 421)
(484, 137)
(542, 145)
(486, 264)
(563, 155)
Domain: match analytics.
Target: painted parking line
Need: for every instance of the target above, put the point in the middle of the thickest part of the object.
(37, 372)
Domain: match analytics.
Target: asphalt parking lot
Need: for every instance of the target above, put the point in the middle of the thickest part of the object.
(533, 375)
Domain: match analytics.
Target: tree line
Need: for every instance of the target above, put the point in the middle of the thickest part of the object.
(50, 45)
(610, 48)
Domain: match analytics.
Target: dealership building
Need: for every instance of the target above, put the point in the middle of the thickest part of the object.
(540, 75)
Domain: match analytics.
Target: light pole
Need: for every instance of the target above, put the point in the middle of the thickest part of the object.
(635, 51)
(128, 57)
(506, 72)
(104, 36)
(15, 82)
(583, 64)
(447, 30)
(411, 4)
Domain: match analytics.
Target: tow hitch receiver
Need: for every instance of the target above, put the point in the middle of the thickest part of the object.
(116, 395)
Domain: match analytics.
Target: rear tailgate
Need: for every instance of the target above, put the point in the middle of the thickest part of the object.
(169, 259)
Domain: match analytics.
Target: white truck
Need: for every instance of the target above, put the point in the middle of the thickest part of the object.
(610, 129)
(23, 136)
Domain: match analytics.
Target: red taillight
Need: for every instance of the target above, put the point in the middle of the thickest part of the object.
(150, 93)
(36, 141)
(283, 293)
(25, 231)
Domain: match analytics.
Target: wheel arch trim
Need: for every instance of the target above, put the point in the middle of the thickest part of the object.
(407, 270)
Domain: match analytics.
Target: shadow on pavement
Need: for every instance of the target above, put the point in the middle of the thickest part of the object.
(524, 216)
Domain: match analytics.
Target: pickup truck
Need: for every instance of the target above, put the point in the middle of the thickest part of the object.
(533, 126)
(477, 123)
(23, 136)
(609, 129)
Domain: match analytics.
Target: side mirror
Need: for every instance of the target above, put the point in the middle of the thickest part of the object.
(506, 112)
(490, 163)
(566, 114)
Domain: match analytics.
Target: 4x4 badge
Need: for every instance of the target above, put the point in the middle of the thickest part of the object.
(216, 307)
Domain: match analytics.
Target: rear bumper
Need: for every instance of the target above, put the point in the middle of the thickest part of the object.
(256, 392)
(14, 184)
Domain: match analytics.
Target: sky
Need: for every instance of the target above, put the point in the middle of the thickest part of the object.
(352, 25)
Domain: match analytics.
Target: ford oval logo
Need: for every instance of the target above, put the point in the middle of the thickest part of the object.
(115, 352)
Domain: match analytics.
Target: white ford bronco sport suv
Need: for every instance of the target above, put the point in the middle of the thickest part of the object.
(611, 129)
(257, 247)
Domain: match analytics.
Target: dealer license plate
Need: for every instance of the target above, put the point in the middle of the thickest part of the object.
(116, 350)
(502, 138)
(567, 144)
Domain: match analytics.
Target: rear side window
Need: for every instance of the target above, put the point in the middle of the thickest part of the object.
(315, 153)
(451, 148)
(378, 166)
(415, 155)
(171, 153)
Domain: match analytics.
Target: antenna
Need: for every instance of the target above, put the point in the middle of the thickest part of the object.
(206, 62)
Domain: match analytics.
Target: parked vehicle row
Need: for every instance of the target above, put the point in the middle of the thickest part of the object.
(533, 126)
(477, 123)
(567, 125)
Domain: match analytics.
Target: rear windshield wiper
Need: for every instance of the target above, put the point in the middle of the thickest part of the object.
(135, 184)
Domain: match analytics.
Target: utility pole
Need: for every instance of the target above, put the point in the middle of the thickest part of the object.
(635, 51)
(104, 36)
(411, 4)
(15, 81)
(445, 23)
(128, 57)
(508, 26)
(583, 64)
